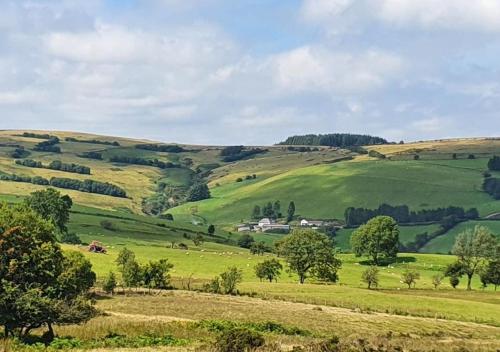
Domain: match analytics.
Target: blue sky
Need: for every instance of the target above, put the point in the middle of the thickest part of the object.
(251, 71)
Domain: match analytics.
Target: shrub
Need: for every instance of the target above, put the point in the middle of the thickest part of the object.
(239, 340)
(109, 283)
(245, 241)
(410, 277)
(230, 279)
(107, 225)
(239, 179)
(370, 276)
(454, 281)
(436, 280)
(70, 237)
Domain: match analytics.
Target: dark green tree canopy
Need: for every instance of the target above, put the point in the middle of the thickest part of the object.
(309, 253)
(52, 206)
(39, 286)
(378, 238)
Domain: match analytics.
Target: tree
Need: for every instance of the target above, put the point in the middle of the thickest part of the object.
(230, 279)
(124, 256)
(258, 248)
(370, 276)
(256, 212)
(52, 206)
(156, 274)
(211, 230)
(277, 209)
(39, 286)
(246, 241)
(198, 239)
(269, 269)
(378, 238)
(491, 274)
(267, 210)
(454, 271)
(454, 281)
(309, 253)
(436, 280)
(131, 274)
(473, 248)
(109, 283)
(70, 237)
(494, 163)
(198, 191)
(290, 211)
(410, 277)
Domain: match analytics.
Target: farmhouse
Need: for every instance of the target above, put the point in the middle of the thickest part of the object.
(267, 224)
(311, 223)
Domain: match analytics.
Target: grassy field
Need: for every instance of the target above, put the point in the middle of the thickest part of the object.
(325, 191)
(418, 319)
(320, 185)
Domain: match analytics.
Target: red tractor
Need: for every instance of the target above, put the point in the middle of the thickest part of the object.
(97, 247)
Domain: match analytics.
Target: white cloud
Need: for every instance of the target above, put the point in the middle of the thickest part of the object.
(319, 69)
(481, 15)
(449, 14)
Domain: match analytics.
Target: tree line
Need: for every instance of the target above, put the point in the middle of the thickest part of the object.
(357, 216)
(89, 186)
(141, 161)
(161, 148)
(238, 152)
(37, 135)
(48, 145)
(56, 165)
(339, 140)
(91, 141)
(19, 152)
(273, 211)
(36, 180)
(302, 149)
(90, 155)
(152, 275)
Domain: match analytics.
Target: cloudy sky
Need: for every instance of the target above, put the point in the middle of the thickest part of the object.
(251, 71)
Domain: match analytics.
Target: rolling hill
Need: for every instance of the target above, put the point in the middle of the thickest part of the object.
(322, 181)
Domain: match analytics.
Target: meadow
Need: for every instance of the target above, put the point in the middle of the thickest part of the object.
(322, 184)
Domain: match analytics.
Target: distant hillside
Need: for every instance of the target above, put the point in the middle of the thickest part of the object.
(339, 140)
(147, 177)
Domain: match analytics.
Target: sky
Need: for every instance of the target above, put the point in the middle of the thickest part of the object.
(251, 71)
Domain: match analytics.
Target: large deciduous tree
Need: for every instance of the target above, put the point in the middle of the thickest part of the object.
(269, 269)
(39, 286)
(378, 238)
(473, 249)
(309, 253)
(52, 206)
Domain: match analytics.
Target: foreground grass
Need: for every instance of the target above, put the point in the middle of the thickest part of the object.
(194, 319)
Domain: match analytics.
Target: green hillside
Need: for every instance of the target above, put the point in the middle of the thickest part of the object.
(325, 191)
(322, 181)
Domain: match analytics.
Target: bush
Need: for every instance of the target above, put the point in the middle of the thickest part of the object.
(230, 279)
(107, 225)
(109, 283)
(239, 340)
(245, 241)
(70, 237)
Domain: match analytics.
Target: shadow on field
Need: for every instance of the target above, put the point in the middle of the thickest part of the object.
(385, 262)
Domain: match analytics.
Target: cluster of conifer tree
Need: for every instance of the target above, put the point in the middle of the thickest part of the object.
(340, 140)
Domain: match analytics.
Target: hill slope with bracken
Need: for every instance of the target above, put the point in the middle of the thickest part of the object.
(141, 176)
